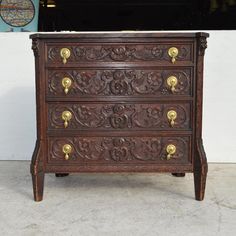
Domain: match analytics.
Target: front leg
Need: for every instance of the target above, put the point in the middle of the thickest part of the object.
(38, 185)
(37, 172)
(200, 171)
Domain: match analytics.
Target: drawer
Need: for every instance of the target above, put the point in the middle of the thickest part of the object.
(119, 116)
(69, 53)
(120, 150)
(74, 83)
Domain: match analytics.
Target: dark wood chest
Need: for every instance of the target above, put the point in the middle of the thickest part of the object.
(119, 102)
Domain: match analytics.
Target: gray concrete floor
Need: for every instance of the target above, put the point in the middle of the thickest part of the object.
(117, 204)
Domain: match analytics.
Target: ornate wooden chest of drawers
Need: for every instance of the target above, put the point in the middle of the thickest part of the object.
(115, 102)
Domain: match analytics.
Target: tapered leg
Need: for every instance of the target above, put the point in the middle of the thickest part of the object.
(37, 172)
(200, 183)
(38, 184)
(200, 171)
(61, 174)
(178, 174)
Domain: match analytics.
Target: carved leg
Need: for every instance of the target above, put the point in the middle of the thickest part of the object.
(37, 172)
(178, 174)
(61, 174)
(38, 184)
(200, 172)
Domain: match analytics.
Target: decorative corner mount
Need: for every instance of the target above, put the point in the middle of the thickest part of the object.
(35, 47)
(202, 45)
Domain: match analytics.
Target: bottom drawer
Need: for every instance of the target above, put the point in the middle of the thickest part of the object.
(119, 150)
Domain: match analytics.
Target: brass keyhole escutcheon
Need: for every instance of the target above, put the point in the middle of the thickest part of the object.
(66, 83)
(170, 149)
(172, 81)
(66, 116)
(67, 149)
(173, 53)
(65, 54)
(172, 115)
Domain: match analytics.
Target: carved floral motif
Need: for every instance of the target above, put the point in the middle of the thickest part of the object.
(120, 149)
(119, 116)
(119, 82)
(119, 52)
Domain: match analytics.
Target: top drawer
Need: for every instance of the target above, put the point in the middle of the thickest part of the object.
(69, 53)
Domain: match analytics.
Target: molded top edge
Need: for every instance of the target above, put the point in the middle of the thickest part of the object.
(120, 34)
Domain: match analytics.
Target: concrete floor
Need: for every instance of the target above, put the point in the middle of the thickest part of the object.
(117, 204)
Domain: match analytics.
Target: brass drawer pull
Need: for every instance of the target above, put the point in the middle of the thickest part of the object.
(65, 54)
(67, 149)
(66, 116)
(172, 81)
(173, 53)
(170, 149)
(66, 83)
(172, 115)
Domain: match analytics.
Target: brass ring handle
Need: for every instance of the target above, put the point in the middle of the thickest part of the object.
(170, 149)
(65, 54)
(172, 115)
(173, 53)
(66, 116)
(172, 81)
(66, 83)
(67, 149)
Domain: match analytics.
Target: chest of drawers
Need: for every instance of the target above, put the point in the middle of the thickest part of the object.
(119, 102)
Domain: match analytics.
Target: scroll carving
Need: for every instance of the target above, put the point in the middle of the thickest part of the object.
(119, 116)
(35, 47)
(120, 149)
(119, 82)
(202, 45)
(120, 52)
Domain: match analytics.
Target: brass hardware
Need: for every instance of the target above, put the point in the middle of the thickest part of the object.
(170, 149)
(66, 116)
(67, 150)
(66, 83)
(65, 54)
(173, 53)
(172, 115)
(172, 81)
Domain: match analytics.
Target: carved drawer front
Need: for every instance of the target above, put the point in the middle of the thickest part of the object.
(171, 52)
(97, 116)
(120, 150)
(119, 82)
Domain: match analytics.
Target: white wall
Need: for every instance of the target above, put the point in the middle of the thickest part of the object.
(219, 117)
(17, 97)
